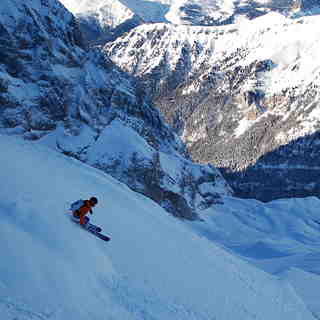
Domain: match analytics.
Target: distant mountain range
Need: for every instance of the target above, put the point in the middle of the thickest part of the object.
(105, 20)
(244, 96)
(238, 80)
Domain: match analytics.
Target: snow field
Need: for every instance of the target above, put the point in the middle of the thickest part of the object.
(280, 237)
(153, 268)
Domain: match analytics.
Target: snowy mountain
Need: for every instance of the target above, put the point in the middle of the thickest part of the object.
(244, 97)
(223, 12)
(74, 125)
(149, 11)
(191, 12)
(155, 266)
(56, 91)
(105, 20)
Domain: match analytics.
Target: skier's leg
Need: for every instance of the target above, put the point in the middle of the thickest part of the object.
(84, 221)
(75, 218)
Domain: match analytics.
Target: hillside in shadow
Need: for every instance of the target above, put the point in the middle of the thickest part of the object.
(292, 170)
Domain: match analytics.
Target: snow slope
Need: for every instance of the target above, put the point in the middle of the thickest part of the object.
(153, 268)
(280, 237)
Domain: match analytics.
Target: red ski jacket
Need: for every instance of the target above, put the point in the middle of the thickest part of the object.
(81, 213)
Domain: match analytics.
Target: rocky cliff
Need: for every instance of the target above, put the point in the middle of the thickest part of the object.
(56, 91)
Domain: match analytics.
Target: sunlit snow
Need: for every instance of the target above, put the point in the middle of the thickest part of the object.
(155, 266)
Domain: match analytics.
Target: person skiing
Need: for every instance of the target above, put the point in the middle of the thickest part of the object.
(79, 214)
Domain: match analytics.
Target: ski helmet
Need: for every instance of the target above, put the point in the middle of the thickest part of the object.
(94, 200)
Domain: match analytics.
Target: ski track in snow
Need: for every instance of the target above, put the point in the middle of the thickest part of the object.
(13, 310)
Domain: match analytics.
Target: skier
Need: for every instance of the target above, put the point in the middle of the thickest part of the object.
(79, 215)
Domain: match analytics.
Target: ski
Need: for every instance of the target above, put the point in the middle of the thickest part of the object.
(93, 227)
(94, 230)
(98, 234)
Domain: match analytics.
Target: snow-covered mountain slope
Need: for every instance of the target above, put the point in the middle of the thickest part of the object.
(203, 12)
(55, 90)
(105, 20)
(244, 97)
(222, 12)
(153, 268)
(276, 231)
(149, 11)
(280, 237)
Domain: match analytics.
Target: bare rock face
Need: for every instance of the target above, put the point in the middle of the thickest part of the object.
(243, 97)
(56, 91)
